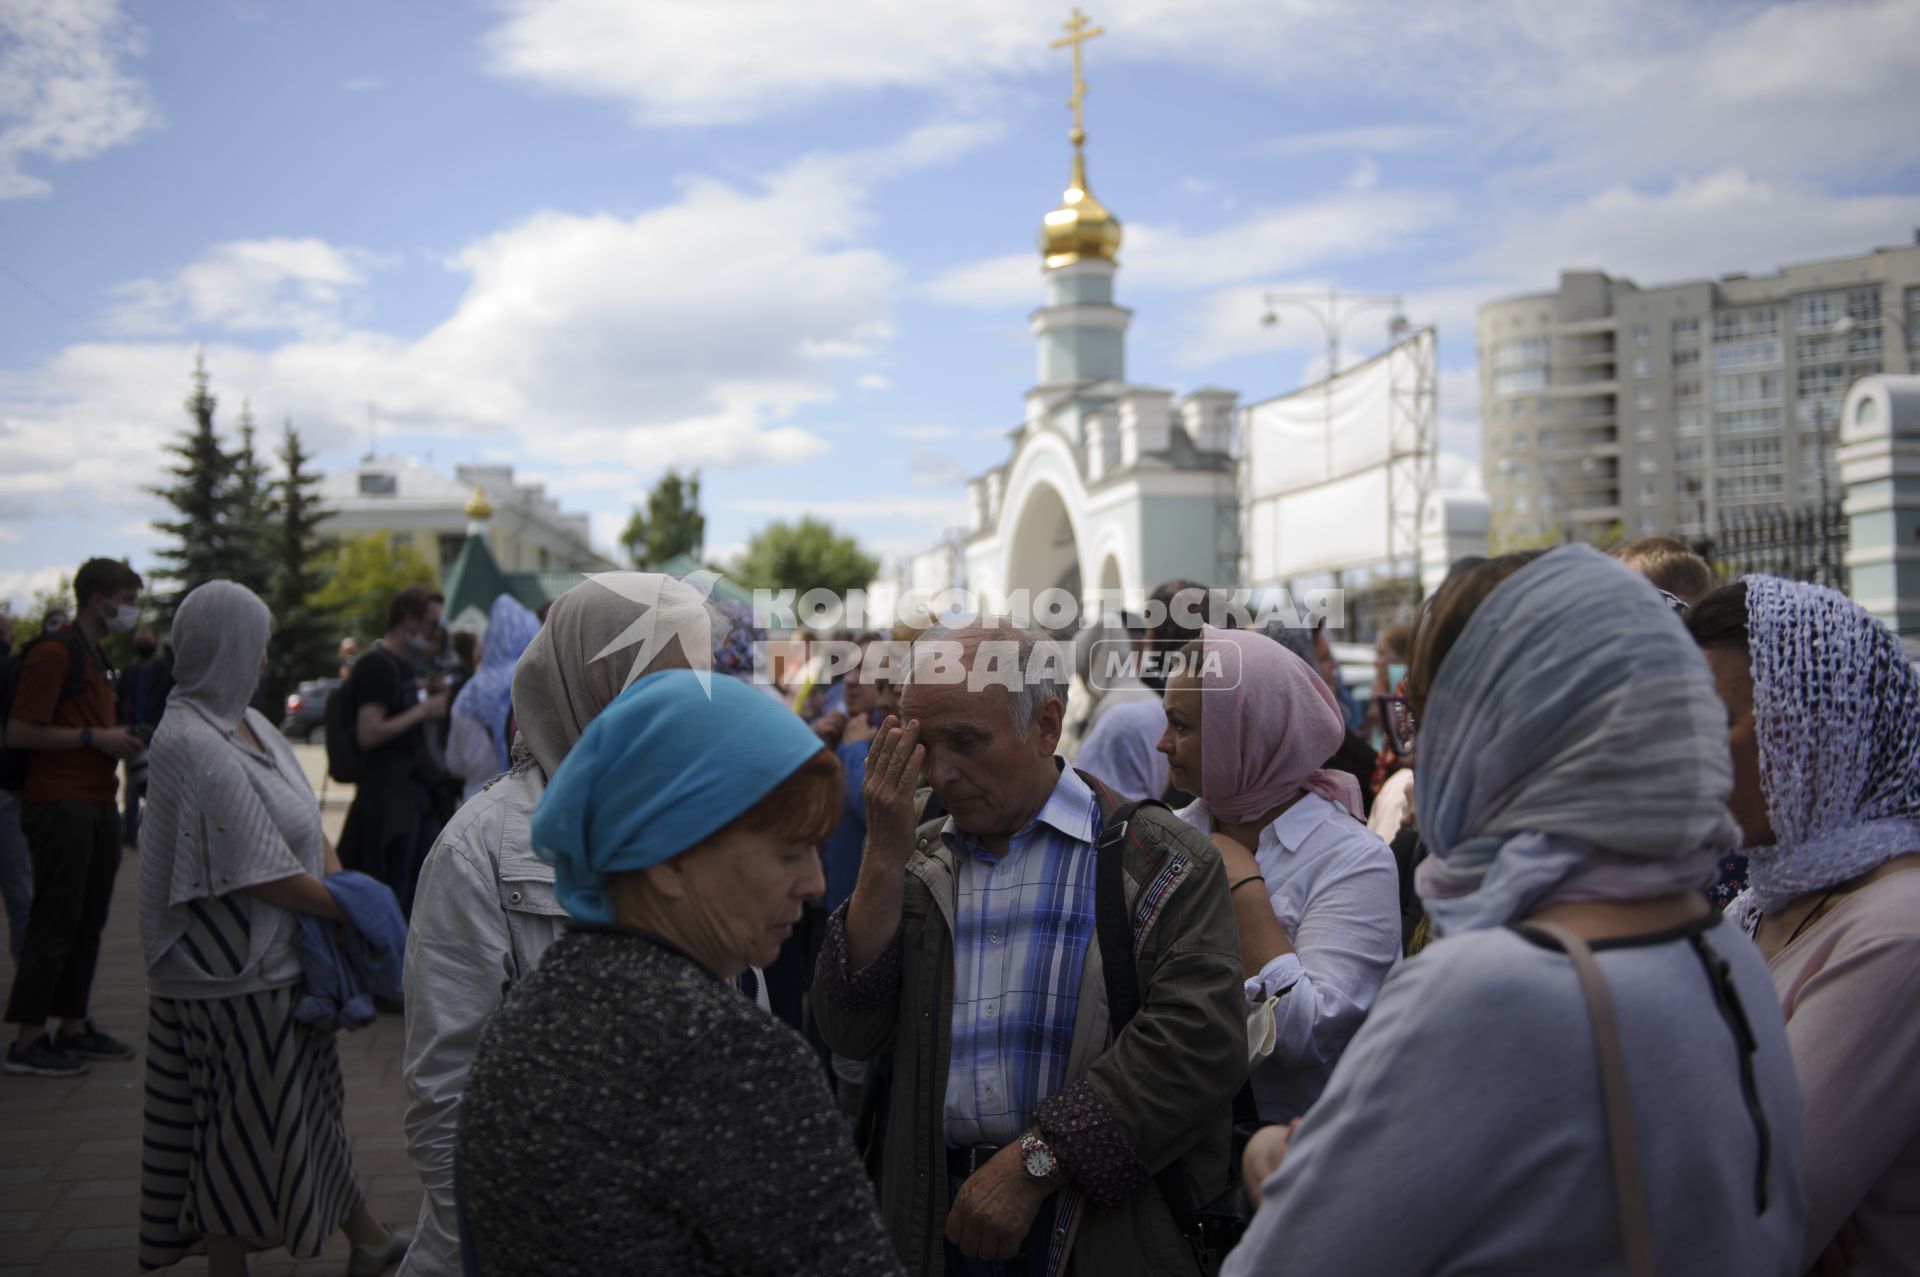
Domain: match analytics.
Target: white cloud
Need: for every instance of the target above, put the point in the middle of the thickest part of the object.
(931, 510)
(1695, 228)
(1365, 174)
(8, 536)
(1628, 90)
(873, 381)
(923, 432)
(19, 589)
(1370, 139)
(589, 342)
(296, 285)
(63, 94)
(1345, 225)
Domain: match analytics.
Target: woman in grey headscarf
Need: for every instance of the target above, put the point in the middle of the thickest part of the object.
(1824, 722)
(484, 911)
(1574, 778)
(245, 1147)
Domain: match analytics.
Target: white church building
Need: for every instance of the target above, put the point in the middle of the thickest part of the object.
(1113, 486)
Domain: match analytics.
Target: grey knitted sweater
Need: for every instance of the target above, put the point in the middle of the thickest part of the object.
(628, 1112)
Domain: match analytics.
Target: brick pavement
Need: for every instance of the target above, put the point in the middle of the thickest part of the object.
(70, 1150)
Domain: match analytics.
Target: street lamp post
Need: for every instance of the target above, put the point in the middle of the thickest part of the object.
(1334, 310)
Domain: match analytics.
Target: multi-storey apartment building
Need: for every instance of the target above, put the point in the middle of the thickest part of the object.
(1666, 409)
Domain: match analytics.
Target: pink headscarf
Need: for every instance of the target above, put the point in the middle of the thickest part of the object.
(1267, 724)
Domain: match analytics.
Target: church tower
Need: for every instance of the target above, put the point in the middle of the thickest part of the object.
(1081, 333)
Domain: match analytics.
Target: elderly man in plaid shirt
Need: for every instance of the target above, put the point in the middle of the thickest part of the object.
(1020, 1132)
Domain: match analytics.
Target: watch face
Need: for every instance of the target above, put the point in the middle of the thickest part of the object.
(1037, 1158)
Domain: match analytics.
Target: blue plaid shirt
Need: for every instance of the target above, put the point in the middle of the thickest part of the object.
(1022, 925)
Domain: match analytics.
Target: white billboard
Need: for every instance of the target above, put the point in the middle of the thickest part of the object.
(1332, 475)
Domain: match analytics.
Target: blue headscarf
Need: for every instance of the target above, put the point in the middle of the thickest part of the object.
(488, 695)
(1572, 748)
(673, 760)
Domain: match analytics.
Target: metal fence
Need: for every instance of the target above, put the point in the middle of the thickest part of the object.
(1808, 544)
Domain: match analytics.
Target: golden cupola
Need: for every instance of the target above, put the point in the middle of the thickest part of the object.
(479, 509)
(1081, 229)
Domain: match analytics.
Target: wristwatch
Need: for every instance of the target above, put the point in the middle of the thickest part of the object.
(1036, 1157)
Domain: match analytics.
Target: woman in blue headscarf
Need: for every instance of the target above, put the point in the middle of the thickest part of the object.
(478, 745)
(629, 1110)
(1574, 777)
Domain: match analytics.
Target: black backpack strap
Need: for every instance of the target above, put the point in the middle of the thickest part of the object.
(1112, 923)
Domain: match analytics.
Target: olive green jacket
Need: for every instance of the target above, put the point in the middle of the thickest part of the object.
(1159, 1096)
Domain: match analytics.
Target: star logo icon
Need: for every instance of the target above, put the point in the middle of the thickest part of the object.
(669, 608)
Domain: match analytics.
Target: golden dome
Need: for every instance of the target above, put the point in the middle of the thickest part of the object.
(478, 507)
(1081, 228)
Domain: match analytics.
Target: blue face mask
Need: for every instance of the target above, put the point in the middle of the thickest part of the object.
(1396, 671)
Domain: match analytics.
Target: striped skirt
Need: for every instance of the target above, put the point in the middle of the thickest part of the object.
(244, 1131)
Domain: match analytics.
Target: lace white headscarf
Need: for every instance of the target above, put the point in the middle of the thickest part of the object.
(1836, 703)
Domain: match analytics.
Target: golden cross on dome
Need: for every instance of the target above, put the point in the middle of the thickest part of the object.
(1078, 33)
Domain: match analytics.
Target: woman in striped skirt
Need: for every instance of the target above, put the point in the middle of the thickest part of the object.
(245, 1147)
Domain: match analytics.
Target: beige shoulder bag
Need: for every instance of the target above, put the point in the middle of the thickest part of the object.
(1623, 1149)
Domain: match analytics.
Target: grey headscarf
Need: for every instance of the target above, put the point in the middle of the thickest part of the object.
(600, 637)
(1572, 748)
(1836, 702)
(220, 632)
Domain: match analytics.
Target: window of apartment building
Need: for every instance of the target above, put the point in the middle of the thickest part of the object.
(1689, 454)
(1760, 353)
(378, 485)
(1647, 431)
(1817, 312)
(1749, 452)
(1521, 502)
(1818, 414)
(1521, 352)
(1749, 487)
(1913, 321)
(1649, 492)
(1520, 381)
(1543, 408)
(1643, 366)
(1687, 329)
(1546, 438)
(1648, 463)
(1821, 381)
(1746, 421)
(1686, 357)
(1746, 388)
(1649, 526)
(1688, 390)
(1749, 322)
(1644, 400)
(1868, 343)
(1690, 421)
(1642, 335)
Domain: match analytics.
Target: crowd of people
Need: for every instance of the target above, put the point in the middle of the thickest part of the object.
(1581, 941)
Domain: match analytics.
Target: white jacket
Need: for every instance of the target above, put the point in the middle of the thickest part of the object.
(483, 913)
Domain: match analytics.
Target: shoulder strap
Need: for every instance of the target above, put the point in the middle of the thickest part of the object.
(1636, 1233)
(1112, 927)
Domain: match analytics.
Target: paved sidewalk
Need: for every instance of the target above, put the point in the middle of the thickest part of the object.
(70, 1150)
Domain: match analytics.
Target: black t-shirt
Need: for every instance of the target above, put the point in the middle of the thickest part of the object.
(383, 679)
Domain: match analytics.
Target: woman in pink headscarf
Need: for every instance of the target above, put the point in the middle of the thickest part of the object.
(1316, 896)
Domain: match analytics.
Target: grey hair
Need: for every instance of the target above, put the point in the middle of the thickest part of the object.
(1033, 693)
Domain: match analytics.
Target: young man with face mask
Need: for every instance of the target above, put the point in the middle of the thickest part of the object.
(72, 826)
(382, 832)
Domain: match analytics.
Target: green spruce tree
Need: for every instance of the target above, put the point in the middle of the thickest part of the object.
(305, 644)
(250, 516)
(199, 494)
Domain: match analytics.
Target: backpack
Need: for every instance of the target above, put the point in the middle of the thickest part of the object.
(343, 745)
(14, 762)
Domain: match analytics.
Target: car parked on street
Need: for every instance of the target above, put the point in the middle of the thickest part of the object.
(306, 718)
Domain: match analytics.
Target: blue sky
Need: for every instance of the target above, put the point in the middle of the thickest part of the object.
(790, 242)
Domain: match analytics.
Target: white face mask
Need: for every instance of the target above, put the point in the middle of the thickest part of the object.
(125, 617)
